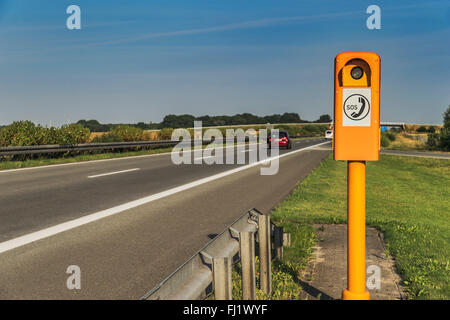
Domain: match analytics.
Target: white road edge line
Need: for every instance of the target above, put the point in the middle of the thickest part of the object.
(111, 173)
(65, 226)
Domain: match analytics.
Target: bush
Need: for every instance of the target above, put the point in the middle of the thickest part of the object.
(122, 133)
(108, 137)
(166, 134)
(444, 140)
(26, 133)
(390, 135)
(385, 141)
(20, 133)
(431, 129)
(71, 134)
(433, 140)
(422, 129)
(127, 133)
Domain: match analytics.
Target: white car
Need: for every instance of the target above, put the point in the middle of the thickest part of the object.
(329, 134)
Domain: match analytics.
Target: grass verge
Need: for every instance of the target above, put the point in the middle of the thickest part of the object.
(408, 199)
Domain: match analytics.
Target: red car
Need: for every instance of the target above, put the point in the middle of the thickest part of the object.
(284, 141)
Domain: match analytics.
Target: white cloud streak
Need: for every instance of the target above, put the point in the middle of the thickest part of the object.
(252, 24)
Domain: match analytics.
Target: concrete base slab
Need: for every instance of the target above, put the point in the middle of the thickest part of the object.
(326, 276)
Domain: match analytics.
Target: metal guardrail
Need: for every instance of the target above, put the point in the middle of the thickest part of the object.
(209, 270)
(44, 149)
(48, 149)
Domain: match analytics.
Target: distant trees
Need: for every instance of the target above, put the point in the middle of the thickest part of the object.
(290, 118)
(325, 118)
(95, 126)
(187, 121)
(181, 121)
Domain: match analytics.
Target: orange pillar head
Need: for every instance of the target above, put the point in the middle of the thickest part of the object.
(356, 106)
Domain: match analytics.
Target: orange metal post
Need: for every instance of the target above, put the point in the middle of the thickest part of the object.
(356, 232)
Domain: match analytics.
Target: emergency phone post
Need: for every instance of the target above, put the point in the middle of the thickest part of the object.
(356, 140)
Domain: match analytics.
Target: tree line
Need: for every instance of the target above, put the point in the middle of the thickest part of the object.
(187, 121)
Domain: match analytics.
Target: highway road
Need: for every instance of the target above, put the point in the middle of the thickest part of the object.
(129, 222)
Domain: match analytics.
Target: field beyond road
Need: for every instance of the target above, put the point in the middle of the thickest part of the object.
(408, 199)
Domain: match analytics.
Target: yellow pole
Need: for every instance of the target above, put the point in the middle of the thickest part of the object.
(356, 232)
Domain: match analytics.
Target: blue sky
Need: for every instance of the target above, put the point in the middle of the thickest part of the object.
(140, 60)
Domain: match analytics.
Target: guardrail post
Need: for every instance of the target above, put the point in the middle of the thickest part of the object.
(222, 278)
(278, 242)
(265, 272)
(286, 239)
(247, 248)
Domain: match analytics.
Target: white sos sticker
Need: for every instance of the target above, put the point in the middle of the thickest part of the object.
(356, 107)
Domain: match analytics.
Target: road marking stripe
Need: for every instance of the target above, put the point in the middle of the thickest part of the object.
(206, 157)
(111, 173)
(65, 226)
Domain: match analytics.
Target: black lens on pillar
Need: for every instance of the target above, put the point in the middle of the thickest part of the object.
(357, 73)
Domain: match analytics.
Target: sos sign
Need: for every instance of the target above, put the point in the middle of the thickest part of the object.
(357, 106)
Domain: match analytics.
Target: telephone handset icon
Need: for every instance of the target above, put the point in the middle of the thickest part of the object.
(361, 110)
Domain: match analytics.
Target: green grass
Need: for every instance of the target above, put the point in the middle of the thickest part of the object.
(408, 199)
(285, 280)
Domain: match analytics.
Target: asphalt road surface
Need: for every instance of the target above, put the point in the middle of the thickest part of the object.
(127, 223)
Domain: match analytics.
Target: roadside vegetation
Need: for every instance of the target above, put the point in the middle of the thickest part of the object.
(396, 139)
(408, 199)
(26, 133)
(419, 137)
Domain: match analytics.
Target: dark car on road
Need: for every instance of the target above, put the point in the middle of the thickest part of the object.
(284, 141)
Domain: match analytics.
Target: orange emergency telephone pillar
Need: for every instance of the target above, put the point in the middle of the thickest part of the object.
(356, 138)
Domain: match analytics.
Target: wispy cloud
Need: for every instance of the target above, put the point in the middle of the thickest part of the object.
(60, 26)
(261, 23)
(252, 24)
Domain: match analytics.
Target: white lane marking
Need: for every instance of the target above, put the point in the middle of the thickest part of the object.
(111, 173)
(65, 226)
(100, 160)
(201, 158)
